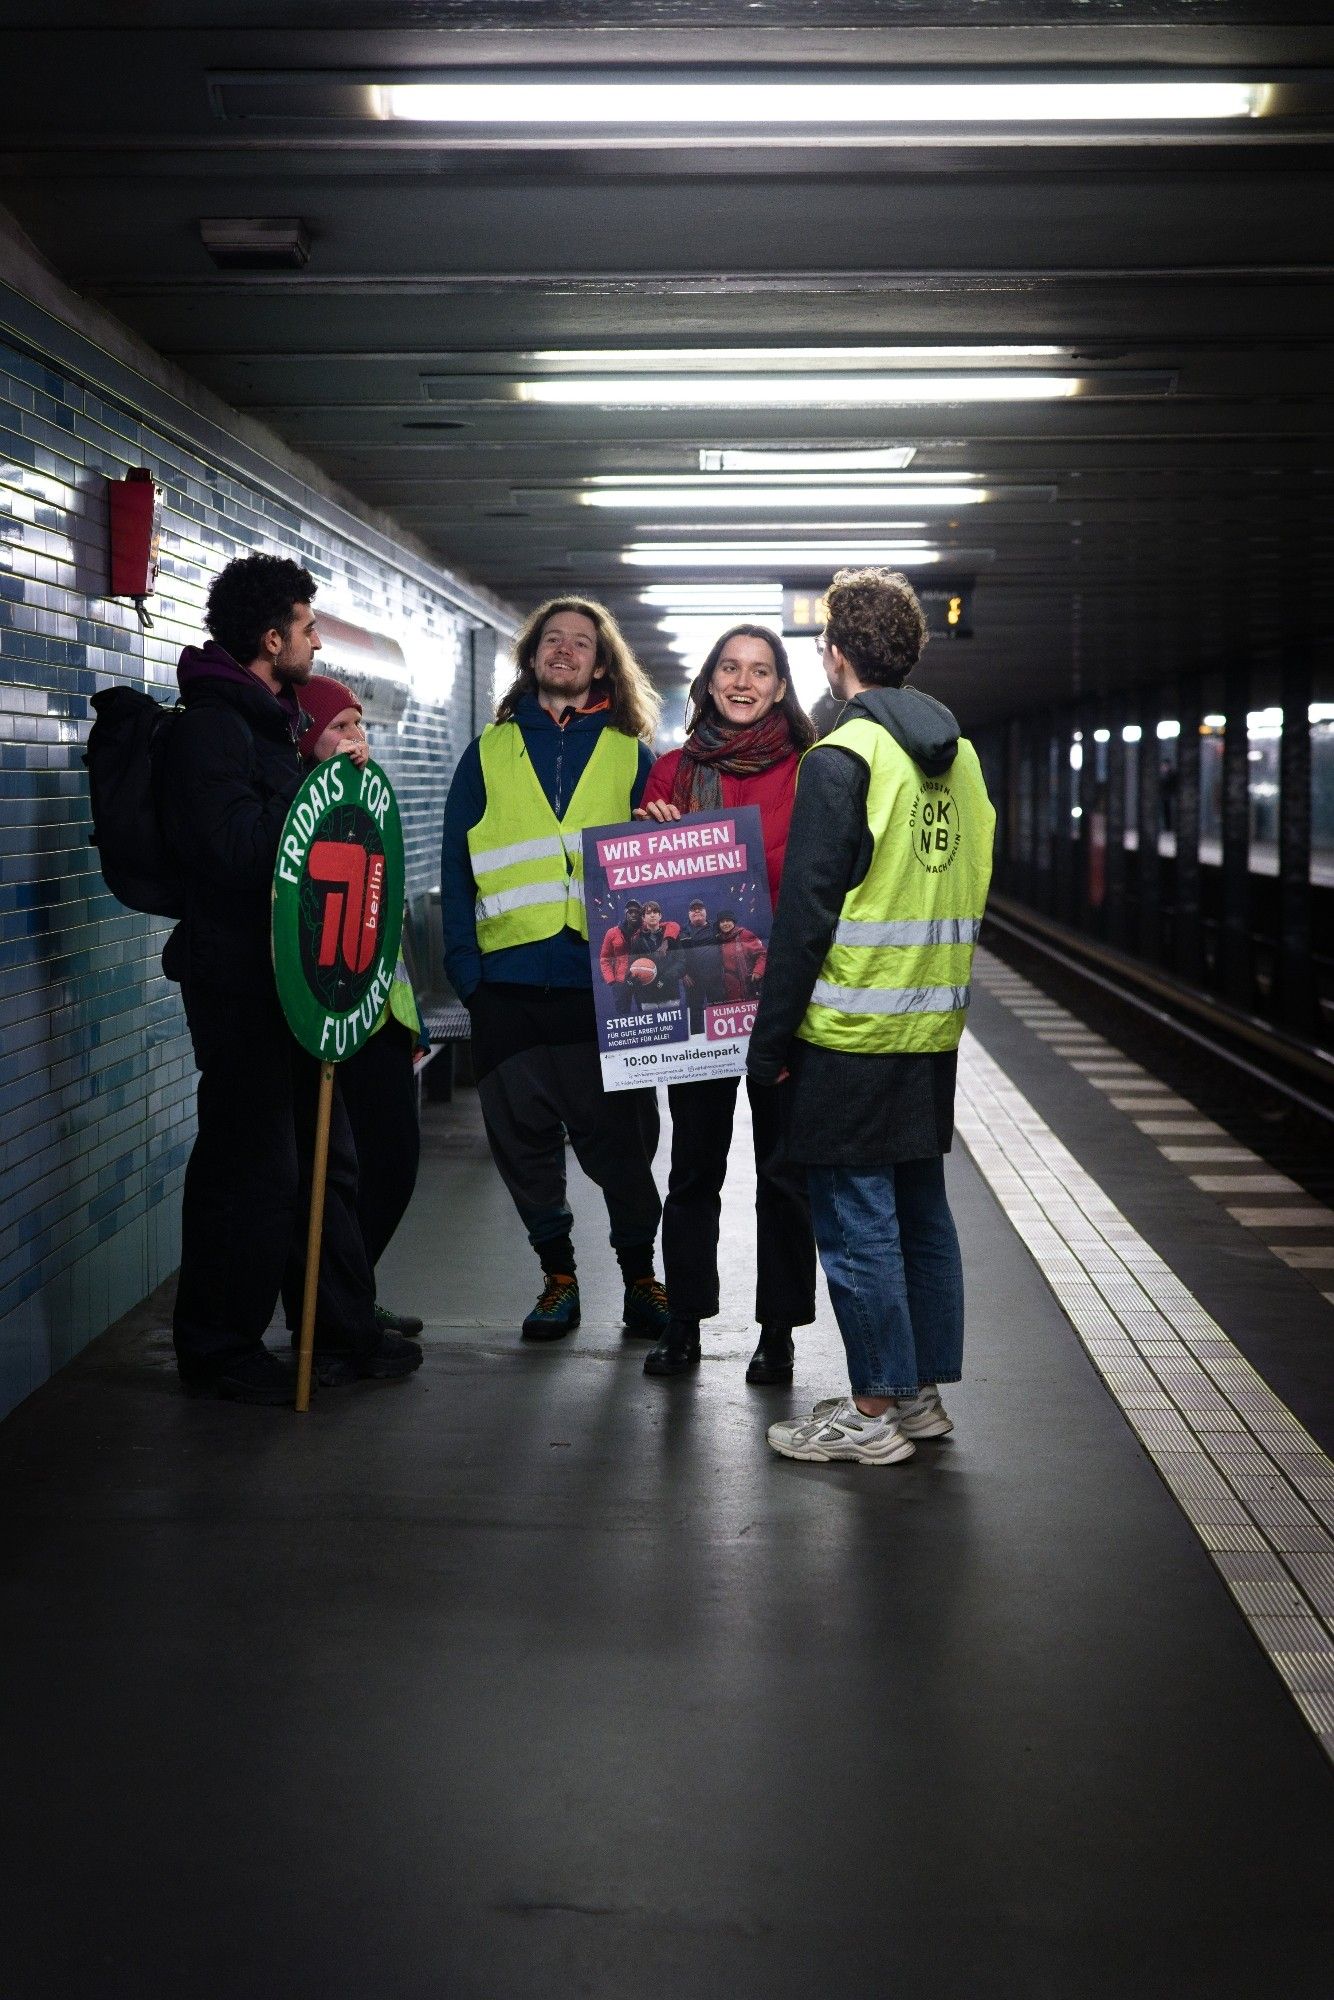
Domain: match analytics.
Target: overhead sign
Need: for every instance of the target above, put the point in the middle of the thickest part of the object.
(338, 906)
(948, 608)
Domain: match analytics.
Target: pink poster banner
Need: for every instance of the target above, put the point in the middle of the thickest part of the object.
(678, 929)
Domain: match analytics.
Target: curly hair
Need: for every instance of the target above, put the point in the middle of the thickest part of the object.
(635, 703)
(252, 596)
(699, 699)
(875, 620)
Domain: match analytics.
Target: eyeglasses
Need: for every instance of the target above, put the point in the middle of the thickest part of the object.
(821, 646)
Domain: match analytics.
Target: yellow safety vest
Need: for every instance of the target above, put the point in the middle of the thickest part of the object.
(528, 865)
(896, 977)
(401, 1004)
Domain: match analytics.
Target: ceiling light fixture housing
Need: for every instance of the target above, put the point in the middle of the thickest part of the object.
(778, 557)
(825, 359)
(871, 458)
(740, 106)
(255, 242)
(688, 392)
(641, 499)
(705, 100)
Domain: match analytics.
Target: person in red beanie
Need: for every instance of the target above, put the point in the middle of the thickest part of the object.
(331, 723)
(378, 1084)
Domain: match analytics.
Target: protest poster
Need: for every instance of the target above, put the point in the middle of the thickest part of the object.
(678, 931)
(336, 924)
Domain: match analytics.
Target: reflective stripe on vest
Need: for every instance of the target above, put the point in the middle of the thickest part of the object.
(900, 983)
(529, 866)
(892, 999)
(401, 1006)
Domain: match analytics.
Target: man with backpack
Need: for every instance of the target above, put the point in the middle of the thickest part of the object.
(227, 770)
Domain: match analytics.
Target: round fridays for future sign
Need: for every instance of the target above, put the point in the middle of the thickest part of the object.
(338, 906)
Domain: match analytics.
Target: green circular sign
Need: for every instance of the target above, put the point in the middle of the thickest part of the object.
(338, 906)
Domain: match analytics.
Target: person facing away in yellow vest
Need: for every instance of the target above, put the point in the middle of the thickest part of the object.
(864, 1001)
(568, 750)
(378, 1084)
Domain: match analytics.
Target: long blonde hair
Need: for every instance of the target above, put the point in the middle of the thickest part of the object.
(635, 703)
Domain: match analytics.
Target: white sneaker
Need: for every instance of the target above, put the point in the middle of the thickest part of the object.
(919, 1416)
(924, 1415)
(837, 1429)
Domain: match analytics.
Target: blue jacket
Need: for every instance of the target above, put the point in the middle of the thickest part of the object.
(560, 757)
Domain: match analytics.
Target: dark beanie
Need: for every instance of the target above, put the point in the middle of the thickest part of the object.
(321, 700)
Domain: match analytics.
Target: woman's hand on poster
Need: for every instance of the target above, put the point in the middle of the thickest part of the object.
(360, 753)
(659, 809)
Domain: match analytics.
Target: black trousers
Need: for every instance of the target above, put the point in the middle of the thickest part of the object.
(539, 1083)
(246, 1201)
(379, 1089)
(702, 1119)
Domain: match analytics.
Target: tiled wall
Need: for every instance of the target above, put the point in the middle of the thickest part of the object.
(96, 1079)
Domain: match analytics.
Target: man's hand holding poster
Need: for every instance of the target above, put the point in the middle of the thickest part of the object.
(678, 929)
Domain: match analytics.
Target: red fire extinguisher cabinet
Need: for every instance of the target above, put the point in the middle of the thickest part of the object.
(135, 514)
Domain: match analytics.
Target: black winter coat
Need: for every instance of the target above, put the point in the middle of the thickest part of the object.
(229, 772)
(864, 1112)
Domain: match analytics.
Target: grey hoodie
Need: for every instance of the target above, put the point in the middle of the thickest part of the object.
(918, 722)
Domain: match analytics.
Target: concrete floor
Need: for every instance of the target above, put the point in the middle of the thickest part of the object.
(533, 1676)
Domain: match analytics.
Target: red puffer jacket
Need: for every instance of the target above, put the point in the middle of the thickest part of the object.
(773, 791)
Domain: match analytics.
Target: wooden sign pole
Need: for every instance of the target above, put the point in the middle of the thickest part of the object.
(314, 1236)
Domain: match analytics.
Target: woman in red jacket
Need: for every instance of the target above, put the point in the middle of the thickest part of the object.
(744, 739)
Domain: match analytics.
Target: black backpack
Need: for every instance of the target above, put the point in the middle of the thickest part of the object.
(124, 746)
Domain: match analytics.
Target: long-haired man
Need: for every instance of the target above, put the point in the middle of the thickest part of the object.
(567, 750)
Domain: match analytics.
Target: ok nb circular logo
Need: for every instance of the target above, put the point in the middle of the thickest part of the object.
(338, 906)
(933, 827)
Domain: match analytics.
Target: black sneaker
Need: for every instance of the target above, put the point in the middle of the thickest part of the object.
(389, 1360)
(398, 1322)
(646, 1311)
(557, 1310)
(261, 1376)
(677, 1351)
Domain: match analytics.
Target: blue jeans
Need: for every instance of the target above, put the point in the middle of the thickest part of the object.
(890, 1254)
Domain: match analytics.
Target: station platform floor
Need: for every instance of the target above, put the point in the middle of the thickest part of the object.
(536, 1676)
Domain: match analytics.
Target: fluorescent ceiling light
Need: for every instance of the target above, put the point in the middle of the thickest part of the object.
(639, 498)
(691, 628)
(573, 100)
(862, 528)
(798, 482)
(707, 595)
(640, 360)
(794, 391)
(874, 458)
(774, 555)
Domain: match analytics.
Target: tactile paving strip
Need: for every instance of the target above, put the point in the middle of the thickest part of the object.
(1254, 1485)
(1167, 1119)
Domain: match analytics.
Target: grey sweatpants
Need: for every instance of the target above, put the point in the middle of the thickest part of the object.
(531, 1101)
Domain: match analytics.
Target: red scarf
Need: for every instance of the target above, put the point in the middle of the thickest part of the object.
(741, 750)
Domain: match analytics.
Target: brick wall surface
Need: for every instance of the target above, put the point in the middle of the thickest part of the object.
(96, 1078)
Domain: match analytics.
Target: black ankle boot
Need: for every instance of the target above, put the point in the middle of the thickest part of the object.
(773, 1358)
(676, 1351)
